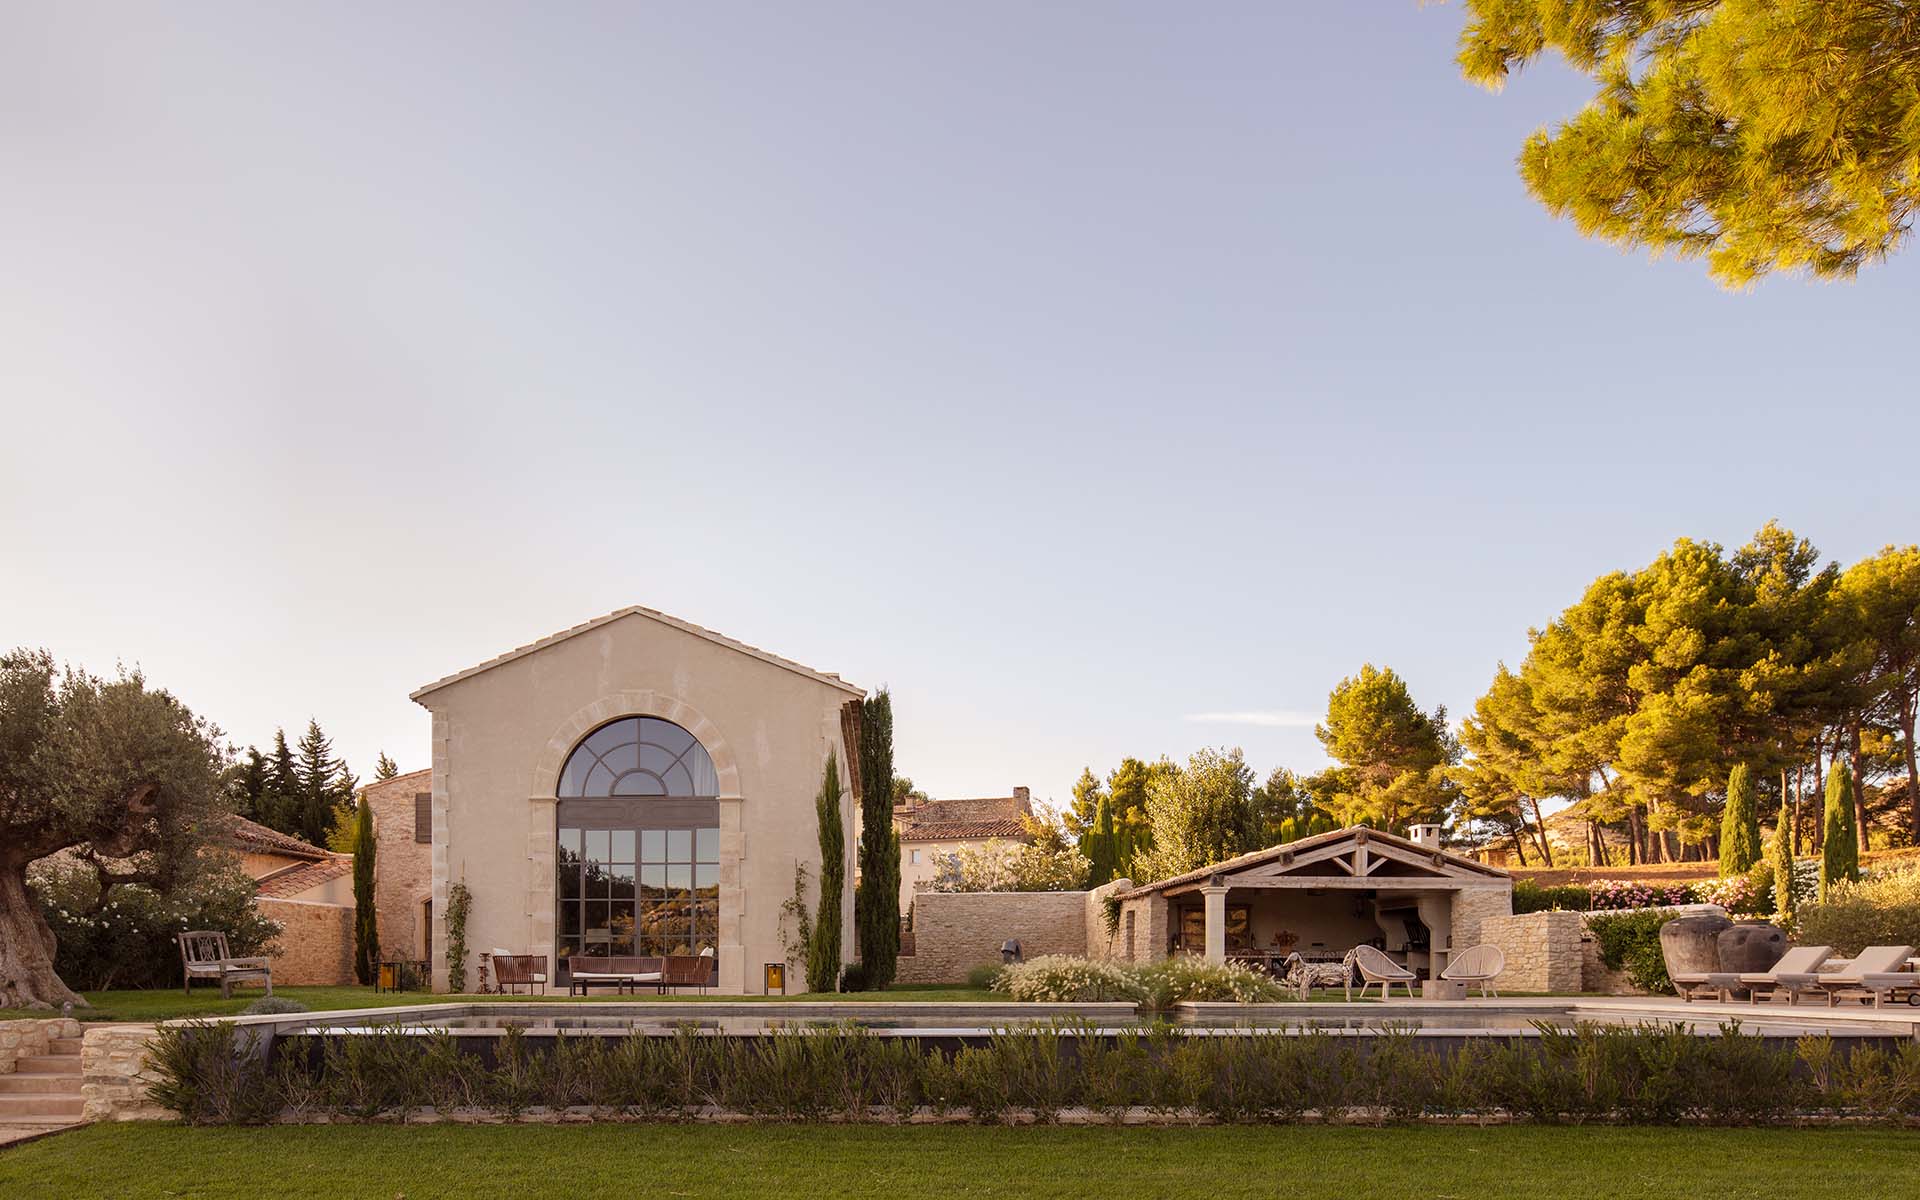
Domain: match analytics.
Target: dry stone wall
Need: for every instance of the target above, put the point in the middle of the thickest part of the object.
(29, 1038)
(316, 941)
(953, 932)
(1542, 950)
(114, 1076)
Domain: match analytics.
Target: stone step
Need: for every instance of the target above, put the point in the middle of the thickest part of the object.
(49, 1064)
(63, 1046)
(36, 1123)
(12, 1108)
(39, 1083)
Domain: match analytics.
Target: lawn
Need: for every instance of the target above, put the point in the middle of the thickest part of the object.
(169, 1004)
(530, 1162)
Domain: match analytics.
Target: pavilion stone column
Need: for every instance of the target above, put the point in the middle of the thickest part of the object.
(733, 898)
(543, 841)
(1216, 898)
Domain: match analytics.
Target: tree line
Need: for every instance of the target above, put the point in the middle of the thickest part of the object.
(1635, 715)
(302, 790)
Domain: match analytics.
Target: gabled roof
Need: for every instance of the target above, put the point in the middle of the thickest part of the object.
(252, 835)
(411, 779)
(290, 882)
(965, 820)
(634, 610)
(1327, 846)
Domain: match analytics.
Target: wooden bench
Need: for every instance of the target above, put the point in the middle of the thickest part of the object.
(204, 955)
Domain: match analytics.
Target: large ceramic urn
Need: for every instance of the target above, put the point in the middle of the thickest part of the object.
(1750, 946)
(1690, 944)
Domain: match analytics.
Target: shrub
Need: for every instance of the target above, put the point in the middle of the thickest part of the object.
(1183, 977)
(210, 1076)
(1631, 942)
(853, 977)
(269, 1005)
(1529, 896)
(130, 943)
(1062, 978)
(985, 976)
(1880, 910)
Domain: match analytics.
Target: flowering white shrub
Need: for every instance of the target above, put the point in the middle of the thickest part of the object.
(1064, 977)
(1061, 978)
(1184, 977)
(1009, 867)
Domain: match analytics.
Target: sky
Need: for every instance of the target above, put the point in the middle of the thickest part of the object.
(1103, 379)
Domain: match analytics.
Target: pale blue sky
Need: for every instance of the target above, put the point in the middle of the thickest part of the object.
(1073, 371)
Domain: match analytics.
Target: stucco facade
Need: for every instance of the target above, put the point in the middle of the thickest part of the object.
(502, 732)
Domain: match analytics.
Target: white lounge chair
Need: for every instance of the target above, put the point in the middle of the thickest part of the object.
(1796, 974)
(1477, 966)
(1375, 967)
(1874, 974)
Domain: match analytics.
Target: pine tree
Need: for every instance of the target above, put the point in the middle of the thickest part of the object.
(1739, 825)
(1840, 854)
(278, 802)
(366, 927)
(1783, 864)
(316, 785)
(823, 949)
(247, 784)
(876, 903)
(385, 768)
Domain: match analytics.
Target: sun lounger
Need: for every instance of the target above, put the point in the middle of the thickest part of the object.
(1874, 975)
(1706, 985)
(1796, 974)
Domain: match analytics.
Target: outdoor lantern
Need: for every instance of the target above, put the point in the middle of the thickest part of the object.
(776, 978)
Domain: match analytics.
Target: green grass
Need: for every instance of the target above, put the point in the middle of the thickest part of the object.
(170, 1004)
(109, 1162)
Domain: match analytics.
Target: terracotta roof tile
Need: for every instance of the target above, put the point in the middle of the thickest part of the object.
(294, 880)
(957, 831)
(252, 835)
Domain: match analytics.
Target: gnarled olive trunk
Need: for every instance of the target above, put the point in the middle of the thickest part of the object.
(27, 979)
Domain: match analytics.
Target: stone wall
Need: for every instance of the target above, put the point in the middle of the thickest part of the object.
(28, 1038)
(953, 932)
(402, 864)
(114, 1077)
(1100, 943)
(1472, 908)
(1542, 949)
(315, 944)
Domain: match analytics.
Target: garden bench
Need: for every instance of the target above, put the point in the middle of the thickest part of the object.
(204, 955)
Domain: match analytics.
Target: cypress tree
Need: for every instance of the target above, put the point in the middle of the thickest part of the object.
(823, 948)
(1100, 843)
(876, 903)
(1783, 864)
(1840, 854)
(1740, 825)
(366, 927)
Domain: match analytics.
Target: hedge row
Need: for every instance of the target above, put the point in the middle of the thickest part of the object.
(1653, 1074)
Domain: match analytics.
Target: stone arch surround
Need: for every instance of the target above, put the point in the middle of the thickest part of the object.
(546, 770)
(543, 833)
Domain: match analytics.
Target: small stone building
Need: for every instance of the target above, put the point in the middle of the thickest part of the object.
(935, 827)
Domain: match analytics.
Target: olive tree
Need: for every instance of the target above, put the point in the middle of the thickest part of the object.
(122, 777)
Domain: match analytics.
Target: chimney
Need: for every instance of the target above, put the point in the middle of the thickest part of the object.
(1425, 835)
(1024, 796)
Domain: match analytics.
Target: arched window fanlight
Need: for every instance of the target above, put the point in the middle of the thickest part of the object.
(638, 756)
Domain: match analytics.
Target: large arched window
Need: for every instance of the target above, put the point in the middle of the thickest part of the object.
(639, 756)
(639, 853)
